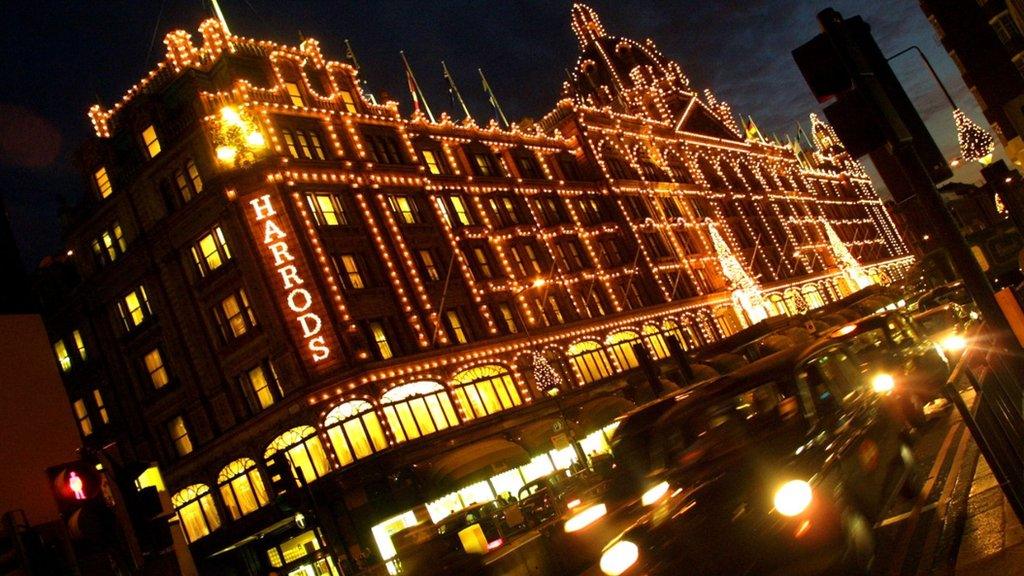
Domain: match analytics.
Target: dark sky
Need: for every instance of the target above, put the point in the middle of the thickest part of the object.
(59, 57)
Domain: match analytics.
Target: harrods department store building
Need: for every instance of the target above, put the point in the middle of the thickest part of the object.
(272, 263)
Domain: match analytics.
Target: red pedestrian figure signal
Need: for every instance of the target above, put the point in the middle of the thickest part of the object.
(75, 483)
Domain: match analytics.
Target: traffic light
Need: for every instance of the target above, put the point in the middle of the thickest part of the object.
(81, 497)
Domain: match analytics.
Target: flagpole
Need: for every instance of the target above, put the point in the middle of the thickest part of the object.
(415, 87)
(220, 16)
(493, 99)
(455, 90)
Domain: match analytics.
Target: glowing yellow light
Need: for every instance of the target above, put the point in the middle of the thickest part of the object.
(585, 517)
(839, 333)
(793, 497)
(619, 557)
(654, 494)
(883, 383)
(954, 343)
(231, 116)
(226, 153)
(255, 139)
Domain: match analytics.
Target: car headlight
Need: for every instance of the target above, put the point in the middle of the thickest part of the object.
(954, 343)
(585, 517)
(654, 494)
(883, 383)
(619, 557)
(793, 497)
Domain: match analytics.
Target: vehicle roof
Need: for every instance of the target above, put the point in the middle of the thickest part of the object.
(945, 308)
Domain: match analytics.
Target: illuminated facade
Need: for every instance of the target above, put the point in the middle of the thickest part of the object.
(273, 264)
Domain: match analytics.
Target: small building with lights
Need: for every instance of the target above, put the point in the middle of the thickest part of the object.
(416, 314)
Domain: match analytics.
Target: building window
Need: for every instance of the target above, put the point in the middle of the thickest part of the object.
(656, 341)
(434, 163)
(82, 416)
(304, 451)
(380, 340)
(102, 181)
(109, 245)
(294, 94)
(351, 272)
(348, 101)
(485, 390)
(528, 167)
(525, 258)
(429, 267)
(1006, 29)
(178, 433)
(328, 210)
(134, 308)
(196, 511)
(188, 181)
(483, 264)
(101, 408)
(261, 386)
(590, 360)
(454, 322)
(552, 311)
(63, 358)
(418, 409)
(241, 488)
(485, 165)
(211, 252)
(234, 315)
(572, 256)
(383, 148)
(508, 318)
(505, 210)
(460, 210)
(76, 335)
(151, 142)
(406, 209)
(570, 169)
(303, 144)
(154, 365)
(355, 431)
(612, 254)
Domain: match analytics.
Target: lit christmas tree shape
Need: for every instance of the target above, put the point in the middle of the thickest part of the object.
(847, 263)
(976, 144)
(544, 375)
(746, 292)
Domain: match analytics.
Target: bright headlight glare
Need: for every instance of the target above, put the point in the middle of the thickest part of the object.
(883, 383)
(585, 517)
(654, 494)
(619, 557)
(793, 497)
(954, 343)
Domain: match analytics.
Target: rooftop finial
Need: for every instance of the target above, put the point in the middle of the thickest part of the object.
(585, 24)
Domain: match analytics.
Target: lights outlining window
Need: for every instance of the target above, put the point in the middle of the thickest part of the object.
(406, 209)
(261, 387)
(507, 317)
(429, 267)
(348, 101)
(484, 165)
(383, 148)
(328, 210)
(435, 165)
(211, 252)
(355, 431)
(461, 210)
(380, 340)
(188, 181)
(590, 361)
(294, 94)
(455, 326)
(241, 488)
(178, 434)
(82, 417)
(101, 408)
(483, 263)
(134, 308)
(102, 181)
(76, 336)
(153, 362)
(197, 514)
(303, 144)
(304, 451)
(485, 390)
(234, 316)
(417, 409)
(351, 273)
(150, 140)
(621, 345)
(110, 244)
(63, 358)
(656, 341)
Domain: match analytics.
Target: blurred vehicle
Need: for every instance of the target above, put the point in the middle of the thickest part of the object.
(953, 292)
(781, 467)
(905, 364)
(945, 325)
(551, 496)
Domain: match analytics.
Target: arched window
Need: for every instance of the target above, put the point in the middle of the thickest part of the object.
(656, 341)
(196, 511)
(241, 487)
(777, 304)
(812, 295)
(303, 448)
(590, 361)
(485, 390)
(355, 431)
(727, 321)
(671, 328)
(691, 335)
(792, 298)
(418, 409)
(621, 345)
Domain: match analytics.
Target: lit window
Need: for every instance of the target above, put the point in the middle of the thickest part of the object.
(102, 181)
(462, 213)
(318, 149)
(134, 308)
(82, 416)
(434, 165)
(506, 316)
(179, 436)
(327, 210)
(241, 487)
(63, 358)
(235, 316)
(151, 141)
(484, 165)
(197, 514)
(188, 180)
(289, 140)
(346, 99)
(406, 209)
(303, 450)
(483, 264)
(621, 345)
(211, 251)
(110, 244)
(657, 341)
(100, 406)
(355, 431)
(429, 267)
(455, 325)
(380, 339)
(350, 272)
(79, 344)
(417, 409)
(154, 364)
(556, 312)
(590, 360)
(293, 94)
(485, 390)
(261, 386)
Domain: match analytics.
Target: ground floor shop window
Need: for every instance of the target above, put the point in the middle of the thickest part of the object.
(418, 409)
(355, 431)
(196, 510)
(241, 487)
(590, 361)
(302, 447)
(485, 390)
(621, 346)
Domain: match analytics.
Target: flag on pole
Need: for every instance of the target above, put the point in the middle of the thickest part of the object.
(751, 129)
(499, 114)
(414, 90)
(453, 91)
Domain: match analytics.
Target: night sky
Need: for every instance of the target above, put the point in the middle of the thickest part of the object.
(61, 57)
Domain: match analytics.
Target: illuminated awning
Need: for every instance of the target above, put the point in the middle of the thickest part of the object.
(469, 465)
(600, 412)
